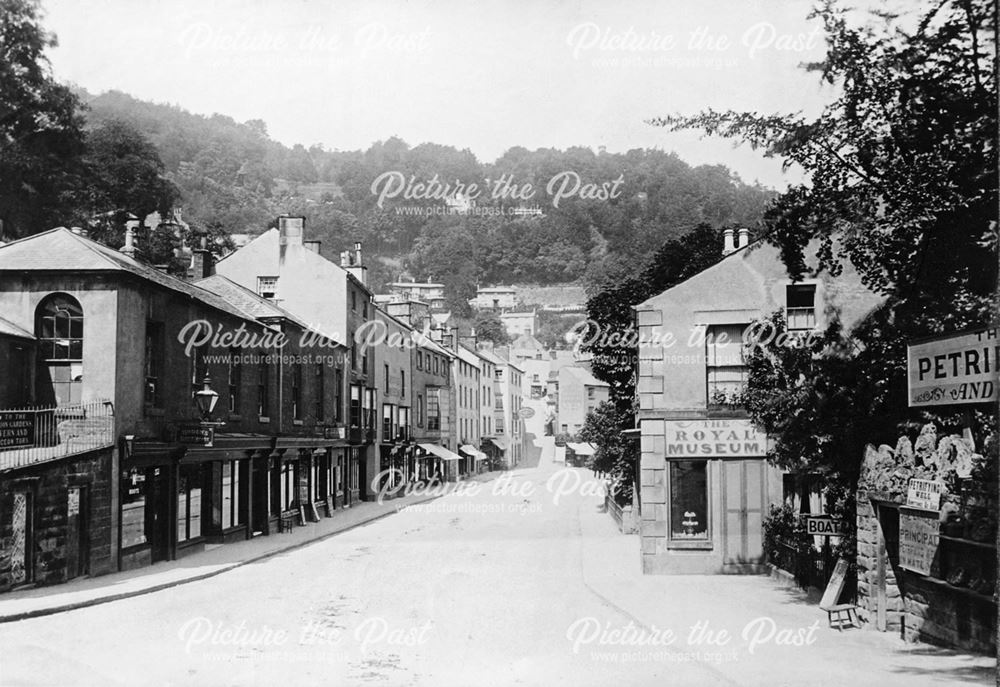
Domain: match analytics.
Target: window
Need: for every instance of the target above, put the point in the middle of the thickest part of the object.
(688, 500)
(387, 414)
(364, 360)
(231, 505)
(287, 481)
(420, 360)
(404, 424)
(319, 390)
(297, 391)
(364, 309)
(800, 307)
(386, 371)
(725, 366)
(235, 378)
(402, 382)
(338, 396)
(154, 359)
(354, 357)
(435, 365)
(354, 301)
(590, 392)
(263, 379)
(189, 485)
(368, 409)
(267, 287)
(433, 411)
(59, 327)
(355, 405)
(420, 410)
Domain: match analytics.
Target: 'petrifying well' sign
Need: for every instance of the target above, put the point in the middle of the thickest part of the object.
(713, 439)
(960, 368)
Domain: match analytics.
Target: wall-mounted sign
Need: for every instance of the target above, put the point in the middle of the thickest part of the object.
(526, 413)
(924, 493)
(197, 435)
(722, 438)
(918, 540)
(953, 369)
(825, 525)
(17, 429)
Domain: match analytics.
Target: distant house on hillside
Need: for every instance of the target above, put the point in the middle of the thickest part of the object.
(428, 292)
(495, 298)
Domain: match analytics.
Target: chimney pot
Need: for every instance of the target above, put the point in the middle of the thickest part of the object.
(743, 237)
(314, 246)
(728, 246)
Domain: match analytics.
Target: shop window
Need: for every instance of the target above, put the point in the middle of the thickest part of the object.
(231, 505)
(800, 307)
(688, 500)
(59, 327)
(355, 405)
(133, 495)
(189, 506)
(287, 481)
(725, 365)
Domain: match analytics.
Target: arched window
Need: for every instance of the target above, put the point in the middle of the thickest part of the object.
(59, 328)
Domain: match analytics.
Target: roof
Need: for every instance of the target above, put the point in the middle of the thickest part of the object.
(60, 250)
(497, 289)
(421, 284)
(722, 265)
(583, 375)
(253, 305)
(427, 342)
(8, 328)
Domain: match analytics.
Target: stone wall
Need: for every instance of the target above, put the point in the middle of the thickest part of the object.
(48, 484)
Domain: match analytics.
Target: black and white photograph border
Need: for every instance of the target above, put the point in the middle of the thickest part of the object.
(427, 342)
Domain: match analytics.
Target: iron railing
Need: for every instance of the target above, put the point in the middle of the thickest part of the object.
(34, 434)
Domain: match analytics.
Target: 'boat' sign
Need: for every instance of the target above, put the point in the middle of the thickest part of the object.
(825, 525)
(953, 369)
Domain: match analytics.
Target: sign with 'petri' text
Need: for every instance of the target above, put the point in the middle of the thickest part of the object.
(954, 369)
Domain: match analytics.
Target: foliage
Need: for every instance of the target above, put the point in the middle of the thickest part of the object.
(41, 134)
(616, 453)
(787, 545)
(489, 327)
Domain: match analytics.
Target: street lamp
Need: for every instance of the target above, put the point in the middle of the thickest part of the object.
(206, 399)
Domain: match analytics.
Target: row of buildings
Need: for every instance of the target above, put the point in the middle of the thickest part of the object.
(144, 416)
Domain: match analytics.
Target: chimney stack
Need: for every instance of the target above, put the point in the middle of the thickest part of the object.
(129, 248)
(743, 238)
(291, 230)
(728, 246)
(351, 261)
(202, 264)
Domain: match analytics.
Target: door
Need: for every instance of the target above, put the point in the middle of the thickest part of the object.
(261, 496)
(158, 519)
(77, 529)
(743, 511)
(21, 535)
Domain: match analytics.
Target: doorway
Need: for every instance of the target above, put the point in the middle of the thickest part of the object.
(77, 532)
(158, 511)
(743, 514)
(21, 539)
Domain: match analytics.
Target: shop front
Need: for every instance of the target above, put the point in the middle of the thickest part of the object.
(705, 490)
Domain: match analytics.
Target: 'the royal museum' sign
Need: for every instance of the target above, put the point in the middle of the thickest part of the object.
(713, 439)
(959, 368)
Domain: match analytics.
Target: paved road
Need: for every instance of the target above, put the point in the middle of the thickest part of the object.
(507, 586)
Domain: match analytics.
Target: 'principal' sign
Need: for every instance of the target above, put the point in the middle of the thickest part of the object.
(954, 369)
(918, 540)
(713, 439)
(17, 429)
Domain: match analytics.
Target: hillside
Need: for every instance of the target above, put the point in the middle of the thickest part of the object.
(233, 176)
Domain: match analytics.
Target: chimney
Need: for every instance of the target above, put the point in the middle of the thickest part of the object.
(129, 248)
(291, 230)
(313, 245)
(469, 340)
(351, 261)
(202, 264)
(727, 242)
(743, 237)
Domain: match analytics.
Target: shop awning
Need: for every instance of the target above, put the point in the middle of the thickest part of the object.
(440, 451)
(499, 443)
(472, 451)
(582, 449)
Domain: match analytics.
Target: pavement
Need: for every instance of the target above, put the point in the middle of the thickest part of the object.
(518, 580)
(216, 559)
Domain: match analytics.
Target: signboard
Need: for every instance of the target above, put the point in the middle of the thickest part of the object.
(918, 540)
(196, 434)
(825, 525)
(334, 432)
(713, 439)
(526, 413)
(73, 503)
(954, 369)
(836, 584)
(17, 429)
(924, 493)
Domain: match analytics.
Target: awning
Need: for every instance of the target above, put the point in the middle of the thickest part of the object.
(499, 443)
(472, 451)
(581, 449)
(440, 451)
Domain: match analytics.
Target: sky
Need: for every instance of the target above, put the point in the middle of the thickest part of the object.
(479, 75)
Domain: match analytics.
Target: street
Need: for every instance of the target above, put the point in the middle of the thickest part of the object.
(521, 580)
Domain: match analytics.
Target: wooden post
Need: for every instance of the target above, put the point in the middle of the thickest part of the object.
(880, 596)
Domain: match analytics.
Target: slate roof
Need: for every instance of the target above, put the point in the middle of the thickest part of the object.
(60, 250)
(8, 328)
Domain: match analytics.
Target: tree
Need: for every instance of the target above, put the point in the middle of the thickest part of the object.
(615, 453)
(489, 327)
(40, 126)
